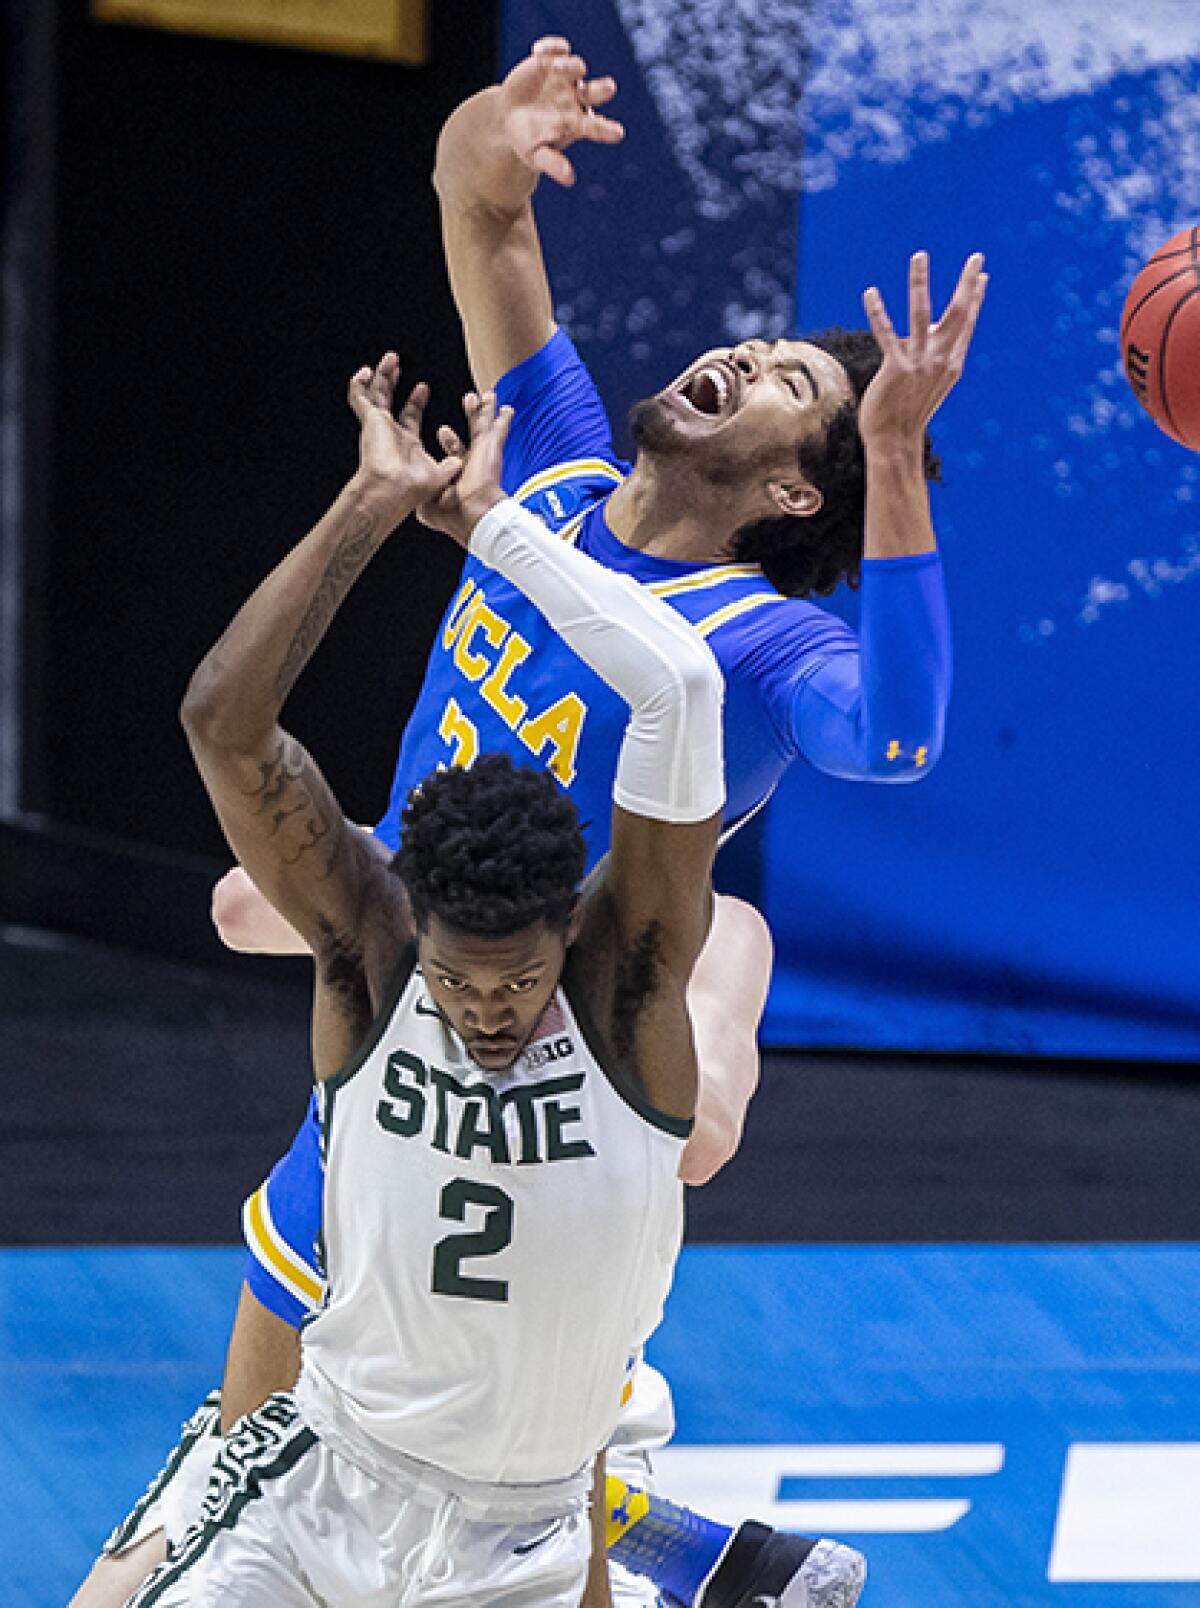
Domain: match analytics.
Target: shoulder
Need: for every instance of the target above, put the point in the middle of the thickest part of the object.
(768, 636)
(751, 626)
(562, 493)
(558, 416)
(557, 360)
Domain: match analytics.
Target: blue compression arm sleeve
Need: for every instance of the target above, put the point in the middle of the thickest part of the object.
(880, 713)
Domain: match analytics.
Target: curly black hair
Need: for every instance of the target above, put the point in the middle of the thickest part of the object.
(802, 555)
(490, 850)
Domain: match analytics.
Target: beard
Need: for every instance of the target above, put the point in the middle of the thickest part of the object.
(713, 461)
(652, 429)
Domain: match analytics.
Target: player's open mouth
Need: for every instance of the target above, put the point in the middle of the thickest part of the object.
(709, 391)
(490, 1051)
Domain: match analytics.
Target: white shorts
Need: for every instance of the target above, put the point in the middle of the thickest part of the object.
(646, 1424)
(289, 1523)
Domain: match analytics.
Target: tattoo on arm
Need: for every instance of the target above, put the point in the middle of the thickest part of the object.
(350, 558)
(286, 796)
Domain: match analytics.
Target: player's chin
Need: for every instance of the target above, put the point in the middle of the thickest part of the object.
(660, 425)
(494, 1056)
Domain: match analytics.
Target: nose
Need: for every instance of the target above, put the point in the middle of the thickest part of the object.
(490, 1018)
(747, 359)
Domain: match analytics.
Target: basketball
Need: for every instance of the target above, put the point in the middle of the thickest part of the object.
(1160, 337)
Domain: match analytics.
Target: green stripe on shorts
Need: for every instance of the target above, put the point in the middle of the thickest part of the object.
(266, 1444)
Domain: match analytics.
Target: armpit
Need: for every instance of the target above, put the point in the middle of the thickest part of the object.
(341, 967)
(637, 979)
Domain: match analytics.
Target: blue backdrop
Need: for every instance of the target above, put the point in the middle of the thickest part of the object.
(1039, 891)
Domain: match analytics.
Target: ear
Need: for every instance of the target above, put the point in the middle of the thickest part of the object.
(799, 498)
(574, 921)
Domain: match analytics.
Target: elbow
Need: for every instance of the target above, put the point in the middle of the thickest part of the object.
(213, 713)
(702, 679)
(444, 156)
(687, 684)
(200, 709)
(703, 683)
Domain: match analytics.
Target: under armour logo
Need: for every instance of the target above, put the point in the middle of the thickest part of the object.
(895, 751)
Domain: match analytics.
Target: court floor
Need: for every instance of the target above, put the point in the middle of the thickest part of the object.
(994, 1425)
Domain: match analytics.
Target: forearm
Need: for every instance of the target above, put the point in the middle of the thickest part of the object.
(898, 522)
(880, 714)
(237, 692)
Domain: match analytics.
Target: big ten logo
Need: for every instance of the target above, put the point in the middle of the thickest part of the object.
(487, 652)
(548, 1050)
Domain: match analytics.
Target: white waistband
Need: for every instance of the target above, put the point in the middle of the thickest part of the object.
(321, 1406)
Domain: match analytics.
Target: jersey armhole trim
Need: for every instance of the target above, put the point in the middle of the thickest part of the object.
(396, 985)
(543, 479)
(621, 1077)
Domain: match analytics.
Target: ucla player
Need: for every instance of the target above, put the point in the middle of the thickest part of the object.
(765, 473)
(505, 1075)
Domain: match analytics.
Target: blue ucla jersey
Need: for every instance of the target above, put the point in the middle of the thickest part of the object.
(499, 679)
(798, 683)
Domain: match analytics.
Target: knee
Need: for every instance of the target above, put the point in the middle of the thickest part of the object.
(714, 1140)
(238, 910)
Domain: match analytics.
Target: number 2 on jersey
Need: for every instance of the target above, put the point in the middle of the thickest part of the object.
(493, 1237)
(459, 732)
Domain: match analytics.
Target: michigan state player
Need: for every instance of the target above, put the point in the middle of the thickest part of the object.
(505, 1076)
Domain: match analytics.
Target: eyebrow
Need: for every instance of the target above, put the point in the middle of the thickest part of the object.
(793, 363)
(516, 971)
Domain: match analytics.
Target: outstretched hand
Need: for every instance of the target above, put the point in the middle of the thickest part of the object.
(391, 456)
(459, 507)
(550, 103)
(919, 371)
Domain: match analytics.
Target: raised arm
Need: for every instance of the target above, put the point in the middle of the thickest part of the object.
(493, 150)
(648, 909)
(917, 374)
(880, 714)
(276, 809)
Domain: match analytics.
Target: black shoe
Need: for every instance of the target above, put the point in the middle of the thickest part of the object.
(765, 1568)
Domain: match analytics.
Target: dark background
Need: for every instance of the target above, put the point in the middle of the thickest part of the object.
(233, 230)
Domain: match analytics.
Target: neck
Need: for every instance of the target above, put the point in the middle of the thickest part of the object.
(667, 513)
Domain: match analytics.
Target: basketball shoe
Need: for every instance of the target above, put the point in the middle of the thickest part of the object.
(765, 1568)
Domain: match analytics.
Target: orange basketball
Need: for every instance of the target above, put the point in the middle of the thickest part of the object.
(1160, 337)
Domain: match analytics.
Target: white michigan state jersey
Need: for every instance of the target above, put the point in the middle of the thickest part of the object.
(497, 1245)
